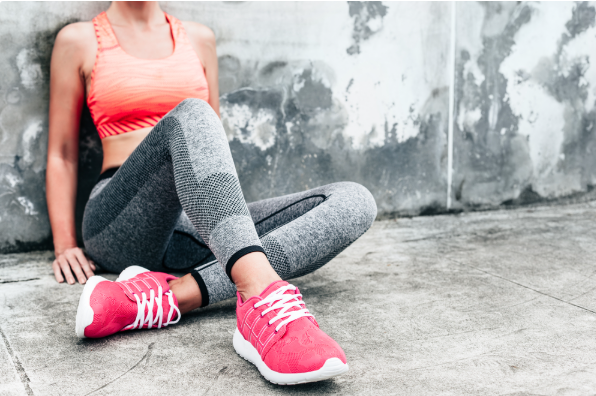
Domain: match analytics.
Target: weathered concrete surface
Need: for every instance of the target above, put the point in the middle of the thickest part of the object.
(526, 89)
(490, 303)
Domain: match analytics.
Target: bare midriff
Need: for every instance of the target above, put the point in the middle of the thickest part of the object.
(117, 148)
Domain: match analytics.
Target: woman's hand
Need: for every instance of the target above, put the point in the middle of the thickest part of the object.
(73, 260)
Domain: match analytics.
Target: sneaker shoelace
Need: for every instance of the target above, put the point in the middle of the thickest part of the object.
(284, 302)
(149, 303)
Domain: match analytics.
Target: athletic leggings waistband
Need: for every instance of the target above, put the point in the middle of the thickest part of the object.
(107, 174)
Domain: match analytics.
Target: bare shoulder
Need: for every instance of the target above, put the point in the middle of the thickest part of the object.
(79, 35)
(199, 33)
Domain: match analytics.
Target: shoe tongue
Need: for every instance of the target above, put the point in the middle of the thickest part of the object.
(138, 285)
(130, 290)
(273, 287)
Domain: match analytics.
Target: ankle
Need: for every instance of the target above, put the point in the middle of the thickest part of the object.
(252, 274)
(187, 293)
(255, 288)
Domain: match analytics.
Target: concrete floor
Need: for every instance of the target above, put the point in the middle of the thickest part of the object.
(493, 303)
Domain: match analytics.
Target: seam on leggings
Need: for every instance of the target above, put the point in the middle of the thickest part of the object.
(190, 268)
(202, 287)
(292, 204)
(240, 253)
(206, 265)
(281, 225)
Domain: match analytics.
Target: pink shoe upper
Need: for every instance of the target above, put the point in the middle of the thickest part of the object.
(144, 301)
(284, 333)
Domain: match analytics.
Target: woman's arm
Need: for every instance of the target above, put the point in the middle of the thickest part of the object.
(203, 41)
(67, 95)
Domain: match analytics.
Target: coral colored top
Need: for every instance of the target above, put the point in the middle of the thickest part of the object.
(129, 93)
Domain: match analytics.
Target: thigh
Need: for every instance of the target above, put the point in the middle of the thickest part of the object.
(129, 220)
(339, 214)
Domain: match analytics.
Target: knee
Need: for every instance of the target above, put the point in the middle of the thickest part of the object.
(361, 202)
(193, 109)
(195, 106)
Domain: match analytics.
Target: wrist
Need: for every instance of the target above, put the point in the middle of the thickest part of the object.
(60, 248)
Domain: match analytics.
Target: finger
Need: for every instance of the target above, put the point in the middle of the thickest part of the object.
(75, 265)
(57, 271)
(92, 265)
(84, 263)
(66, 270)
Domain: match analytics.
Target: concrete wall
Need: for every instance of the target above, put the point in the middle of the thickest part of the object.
(525, 95)
(319, 92)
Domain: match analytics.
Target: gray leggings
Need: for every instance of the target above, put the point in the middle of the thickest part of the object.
(176, 205)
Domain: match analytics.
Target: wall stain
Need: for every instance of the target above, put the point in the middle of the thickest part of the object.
(310, 149)
(368, 20)
(487, 159)
(491, 152)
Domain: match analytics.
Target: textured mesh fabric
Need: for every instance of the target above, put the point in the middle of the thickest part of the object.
(186, 251)
(276, 254)
(218, 197)
(315, 265)
(183, 163)
(176, 204)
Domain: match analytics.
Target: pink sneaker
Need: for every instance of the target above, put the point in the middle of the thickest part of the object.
(135, 301)
(276, 333)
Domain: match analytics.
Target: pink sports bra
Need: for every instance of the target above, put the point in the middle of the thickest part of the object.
(129, 93)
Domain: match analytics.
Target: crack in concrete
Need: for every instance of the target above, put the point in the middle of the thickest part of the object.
(17, 280)
(219, 374)
(583, 294)
(453, 334)
(451, 361)
(498, 307)
(17, 364)
(145, 357)
(524, 286)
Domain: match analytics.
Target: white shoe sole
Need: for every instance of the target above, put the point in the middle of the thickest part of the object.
(130, 272)
(332, 367)
(84, 311)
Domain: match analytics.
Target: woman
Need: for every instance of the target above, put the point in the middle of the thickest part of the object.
(169, 198)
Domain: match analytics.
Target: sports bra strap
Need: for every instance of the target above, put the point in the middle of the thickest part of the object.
(104, 33)
(178, 32)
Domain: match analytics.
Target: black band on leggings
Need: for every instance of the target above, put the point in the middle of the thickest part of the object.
(204, 293)
(236, 256)
(107, 174)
